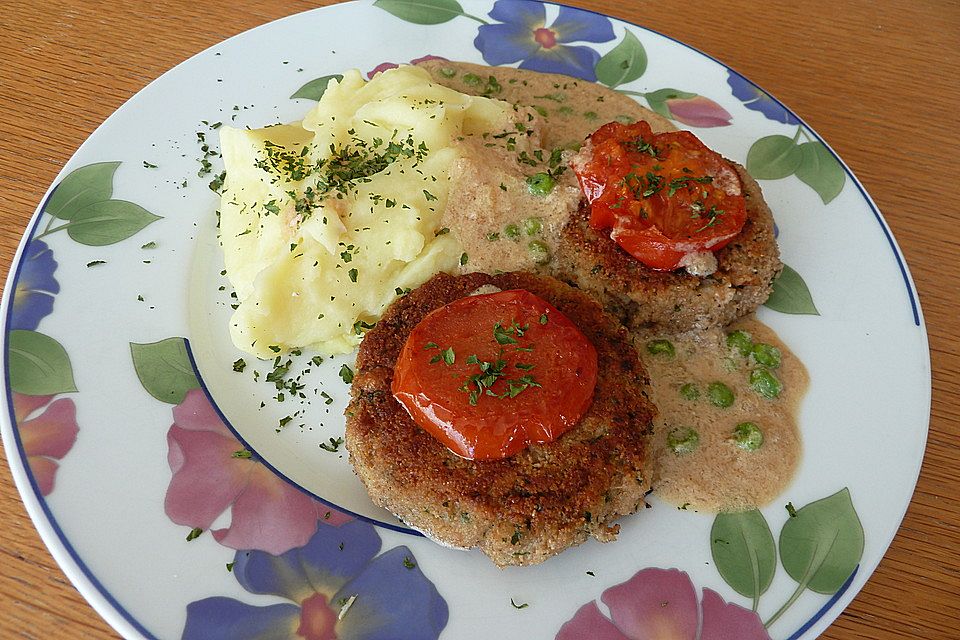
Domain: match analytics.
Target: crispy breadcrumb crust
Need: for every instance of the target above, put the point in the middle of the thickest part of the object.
(650, 301)
(533, 505)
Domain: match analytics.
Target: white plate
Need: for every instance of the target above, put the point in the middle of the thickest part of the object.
(119, 450)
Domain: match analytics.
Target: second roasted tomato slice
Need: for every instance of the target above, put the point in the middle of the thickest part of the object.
(665, 197)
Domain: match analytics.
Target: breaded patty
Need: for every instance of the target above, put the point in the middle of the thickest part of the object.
(523, 509)
(646, 300)
(642, 298)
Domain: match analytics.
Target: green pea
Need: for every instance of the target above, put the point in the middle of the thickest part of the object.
(532, 226)
(747, 436)
(539, 252)
(472, 79)
(661, 348)
(512, 231)
(683, 440)
(765, 383)
(741, 341)
(720, 394)
(448, 72)
(689, 391)
(540, 184)
(766, 355)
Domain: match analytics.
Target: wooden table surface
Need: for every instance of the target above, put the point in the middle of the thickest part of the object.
(880, 81)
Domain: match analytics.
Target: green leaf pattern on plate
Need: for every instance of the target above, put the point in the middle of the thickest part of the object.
(84, 200)
(820, 170)
(84, 186)
(164, 369)
(315, 89)
(38, 364)
(424, 11)
(777, 156)
(791, 295)
(108, 222)
(624, 63)
(820, 546)
(773, 157)
(744, 552)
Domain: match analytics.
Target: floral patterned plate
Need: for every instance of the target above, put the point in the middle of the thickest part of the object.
(184, 499)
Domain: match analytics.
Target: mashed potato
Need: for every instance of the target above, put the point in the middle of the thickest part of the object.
(325, 222)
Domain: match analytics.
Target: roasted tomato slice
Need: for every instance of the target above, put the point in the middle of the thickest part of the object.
(488, 375)
(665, 197)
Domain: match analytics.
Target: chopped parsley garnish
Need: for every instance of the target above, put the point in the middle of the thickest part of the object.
(685, 181)
(791, 510)
(194, 534)
(347, 167)
(519, 606)
(482, 383)
(642, 146)
(346, 374)
(334, 445)
(352, 274)
(148, 165)
(409, 563)
(95, 263)
(712, 216)
(360, 327)
(242, 453)
(239, 365)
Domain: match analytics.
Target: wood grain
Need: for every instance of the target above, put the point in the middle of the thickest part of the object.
(878, 80)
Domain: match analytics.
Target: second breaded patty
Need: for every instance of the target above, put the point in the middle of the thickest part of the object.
(523, 509)
(647, 300)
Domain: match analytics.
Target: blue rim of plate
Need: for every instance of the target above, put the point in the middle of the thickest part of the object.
(113, 605)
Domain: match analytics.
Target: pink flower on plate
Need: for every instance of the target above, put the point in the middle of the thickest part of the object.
(691, 109)
(698, 112)
(383, 66)
(662, 603)
(46, 437)
(211, 474)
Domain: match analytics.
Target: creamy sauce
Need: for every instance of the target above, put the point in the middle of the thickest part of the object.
(717, 475)
(494, 215)
(572, 109)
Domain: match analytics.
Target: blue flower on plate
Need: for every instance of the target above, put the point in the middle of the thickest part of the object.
(36, 286)
(755, 98)
(336, 586)
(524, 37)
